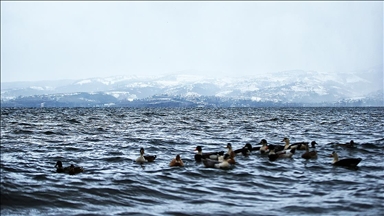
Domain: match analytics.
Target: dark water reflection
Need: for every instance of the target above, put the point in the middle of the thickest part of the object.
(106, 141)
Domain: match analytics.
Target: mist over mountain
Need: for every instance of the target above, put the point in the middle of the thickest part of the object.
(286, 88)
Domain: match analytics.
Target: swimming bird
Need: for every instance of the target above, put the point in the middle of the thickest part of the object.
(264, 146)
(309, 154)
(231, 154)
(272, 155)
(176, 161)
(298, 145)
(59, 167)
(217, 164)
(277, 148)
(72, 170)
(287, 143)
(280, 154)
(245, 151)
(350, 144)
(200, 155)
(301, 145)
(230, 151)
(145, 158)
(347, 162)
(313, 144)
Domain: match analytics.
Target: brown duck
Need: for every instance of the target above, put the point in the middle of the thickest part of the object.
(309, 154)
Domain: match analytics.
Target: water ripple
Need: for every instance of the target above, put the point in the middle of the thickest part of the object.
(106, 141)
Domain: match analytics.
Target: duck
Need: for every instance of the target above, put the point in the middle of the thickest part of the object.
(298, 145)
(272, 155)
(278, 148)
(350, 144)
(309, 154)
(176, 161)
(301, 145)
(245, 151)
(231, 154)
(280, 154)
(313, 144)
(347, 162)
(145, 158)
(200, 155)
(59, 167)
(217, 164)
(230, 151)
(287, 143)
(72, 170)
(264, 146)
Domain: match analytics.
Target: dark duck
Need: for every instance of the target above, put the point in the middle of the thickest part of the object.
(199, 156)
(72, 169)
(302, 145)
(245, 151)
(350, 144)
(346, 162)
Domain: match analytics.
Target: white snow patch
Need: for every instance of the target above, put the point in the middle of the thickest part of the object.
(356, 98)
(105, 82)
(223, 93)
(244, 88)
(256, 99)
(298, 88)
(168, 83)
(355, 79)
(123, 95)
(109, 104)
(320, 90)
(82, 82)
(138, 85)
(37, 88)
(192, 94)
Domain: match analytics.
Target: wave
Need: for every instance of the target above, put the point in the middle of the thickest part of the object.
(105, 142)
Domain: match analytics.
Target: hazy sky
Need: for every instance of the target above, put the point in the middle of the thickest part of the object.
(75, 40)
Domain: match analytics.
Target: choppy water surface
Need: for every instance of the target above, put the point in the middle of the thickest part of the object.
(105, 142)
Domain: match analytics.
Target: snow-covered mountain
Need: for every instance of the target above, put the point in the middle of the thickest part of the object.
(295, 86)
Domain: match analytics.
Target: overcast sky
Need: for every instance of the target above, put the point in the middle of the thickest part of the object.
(75, 40)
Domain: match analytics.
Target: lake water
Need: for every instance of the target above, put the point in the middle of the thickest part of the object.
(106, 141)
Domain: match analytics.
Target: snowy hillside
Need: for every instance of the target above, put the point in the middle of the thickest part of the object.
(286, 87)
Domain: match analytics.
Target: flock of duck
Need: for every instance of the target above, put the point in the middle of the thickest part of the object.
(274, 152)
(227, 160)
